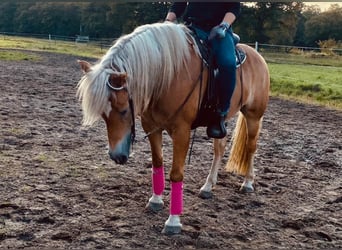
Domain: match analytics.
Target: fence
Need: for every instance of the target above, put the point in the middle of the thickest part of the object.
(105, 43)
(298, 49)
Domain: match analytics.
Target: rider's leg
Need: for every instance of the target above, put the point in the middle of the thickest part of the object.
(224, 53)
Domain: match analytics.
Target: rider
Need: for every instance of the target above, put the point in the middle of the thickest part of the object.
(213, 21)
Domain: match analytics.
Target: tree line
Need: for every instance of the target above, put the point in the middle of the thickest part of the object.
(287, 23)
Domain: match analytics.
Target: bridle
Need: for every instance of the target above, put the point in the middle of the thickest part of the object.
(131, 107)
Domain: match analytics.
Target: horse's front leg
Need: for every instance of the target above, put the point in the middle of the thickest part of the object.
(180, 139)
(219, 148)
(156, 203)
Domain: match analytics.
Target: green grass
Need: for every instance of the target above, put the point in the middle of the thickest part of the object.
(307, 58)
(78, 49)
(17, 56)
(305, 78)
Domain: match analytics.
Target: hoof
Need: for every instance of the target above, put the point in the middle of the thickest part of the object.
(246, 189)
(205, 194)
(172, 230)
(154, 207)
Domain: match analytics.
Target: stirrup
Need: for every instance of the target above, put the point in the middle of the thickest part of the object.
(217, 129)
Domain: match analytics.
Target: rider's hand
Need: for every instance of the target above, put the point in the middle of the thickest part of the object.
(171, 17)
(219, 31)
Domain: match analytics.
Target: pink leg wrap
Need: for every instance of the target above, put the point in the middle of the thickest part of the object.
(158, 180)
(176, 207)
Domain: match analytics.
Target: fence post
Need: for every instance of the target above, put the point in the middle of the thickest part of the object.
(256, 46)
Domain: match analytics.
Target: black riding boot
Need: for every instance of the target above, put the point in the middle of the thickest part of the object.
(216, 128)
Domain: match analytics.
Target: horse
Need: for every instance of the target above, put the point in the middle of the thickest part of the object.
(156, 73)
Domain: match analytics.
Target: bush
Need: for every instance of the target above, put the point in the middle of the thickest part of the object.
(327, 46)
(297, 51)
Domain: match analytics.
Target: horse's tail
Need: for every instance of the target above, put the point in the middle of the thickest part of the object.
(238, 161)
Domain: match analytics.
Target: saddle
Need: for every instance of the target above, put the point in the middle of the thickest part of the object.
(209, 102)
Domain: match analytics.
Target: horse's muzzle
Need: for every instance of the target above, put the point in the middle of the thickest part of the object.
(118, 158)
(121, 152)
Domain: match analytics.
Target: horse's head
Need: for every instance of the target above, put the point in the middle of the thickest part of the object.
(118, 116)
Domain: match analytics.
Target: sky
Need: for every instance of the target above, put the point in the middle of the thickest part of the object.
(323, 5)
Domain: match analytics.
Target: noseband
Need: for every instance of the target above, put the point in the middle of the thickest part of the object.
(131, 107)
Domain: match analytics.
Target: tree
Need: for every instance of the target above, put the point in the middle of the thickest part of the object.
(25, 20)
(246, 27)
(324, 26)
(266, 22)
(131, 15)
(7, 16)
(276, 22)
(94, 19)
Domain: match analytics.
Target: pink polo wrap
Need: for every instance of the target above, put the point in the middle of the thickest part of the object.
(176, 206)
(158, 180)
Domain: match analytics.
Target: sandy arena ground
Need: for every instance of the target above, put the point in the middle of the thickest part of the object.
(59, 189)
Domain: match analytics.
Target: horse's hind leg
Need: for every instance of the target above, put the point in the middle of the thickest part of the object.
(219, 148)
(243, 149)
(253, 128)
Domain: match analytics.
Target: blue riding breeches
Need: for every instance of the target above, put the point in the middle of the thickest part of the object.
(224, 53)
(223, 50)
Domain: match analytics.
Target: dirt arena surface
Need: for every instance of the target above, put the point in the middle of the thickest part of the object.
(59, 189)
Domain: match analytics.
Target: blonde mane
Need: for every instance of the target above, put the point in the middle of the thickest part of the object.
(151, 56)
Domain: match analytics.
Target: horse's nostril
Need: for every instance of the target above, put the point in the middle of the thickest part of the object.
(119, 159)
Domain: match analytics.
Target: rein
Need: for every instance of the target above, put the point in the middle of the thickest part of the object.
(131, 107)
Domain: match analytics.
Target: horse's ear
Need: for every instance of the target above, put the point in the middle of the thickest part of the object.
(85, 66)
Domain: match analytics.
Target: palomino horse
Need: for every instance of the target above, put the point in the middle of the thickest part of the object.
(157, 73)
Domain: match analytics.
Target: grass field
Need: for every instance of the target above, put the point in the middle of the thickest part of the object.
(306, 77)
(80, 49)
(17, 55)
